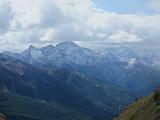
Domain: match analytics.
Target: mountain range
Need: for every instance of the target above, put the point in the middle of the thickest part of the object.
(67, 90)
(69, 82)
(124, 66)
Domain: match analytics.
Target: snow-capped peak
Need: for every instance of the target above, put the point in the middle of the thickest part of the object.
(48, 47)
(131, 62)
(47, 50)
(67, 45)
(31, 54)
(30, 49)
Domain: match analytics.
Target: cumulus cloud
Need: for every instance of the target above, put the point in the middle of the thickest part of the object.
(42, 22)
(123, 36)
(27, 12)
(48, 35)
(5, 15)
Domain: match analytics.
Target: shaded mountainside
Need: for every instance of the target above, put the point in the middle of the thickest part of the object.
(72, 90)
(147, 108)
(16, 107)
(140, 79)
(122, 66)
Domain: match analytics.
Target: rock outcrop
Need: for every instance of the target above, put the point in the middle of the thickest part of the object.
(2, 117)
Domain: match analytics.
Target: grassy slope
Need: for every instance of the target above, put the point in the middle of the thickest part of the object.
(143, 109)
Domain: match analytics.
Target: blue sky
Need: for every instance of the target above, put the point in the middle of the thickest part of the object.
(125, 6)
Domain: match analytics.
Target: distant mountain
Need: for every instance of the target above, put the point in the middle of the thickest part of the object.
(145, 56)
(146, 108)
(125, 66)
(124, 52)
(65, 53)
(71, 90)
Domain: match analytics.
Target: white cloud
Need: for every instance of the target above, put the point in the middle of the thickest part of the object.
(123, 36)
(48, 35)
(27, 12)
(11, 40)
(89, 33)
(101, 35)
(47, 21)
(5, 15)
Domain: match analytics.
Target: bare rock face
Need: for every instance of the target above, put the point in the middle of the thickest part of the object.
(157, 97)
(157, 101)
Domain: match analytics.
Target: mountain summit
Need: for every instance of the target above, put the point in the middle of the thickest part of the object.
(67, 44)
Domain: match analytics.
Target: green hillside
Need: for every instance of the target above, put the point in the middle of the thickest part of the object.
(146, 108)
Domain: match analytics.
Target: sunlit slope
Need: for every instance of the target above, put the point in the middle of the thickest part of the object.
(144, 109)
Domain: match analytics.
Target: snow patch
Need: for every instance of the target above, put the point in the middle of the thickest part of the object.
(131, 62)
